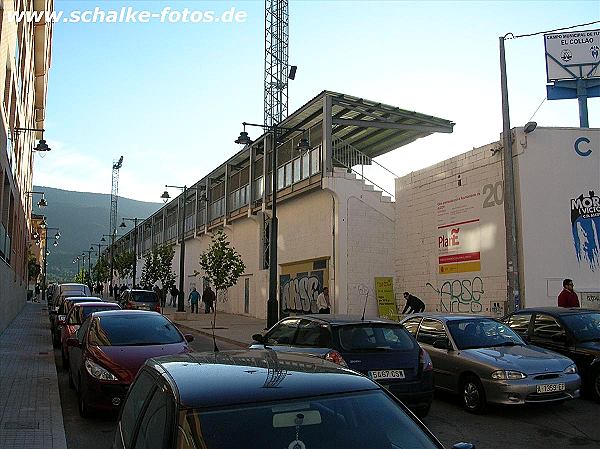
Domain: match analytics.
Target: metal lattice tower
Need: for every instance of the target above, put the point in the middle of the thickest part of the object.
(276, 61)
(114, 195)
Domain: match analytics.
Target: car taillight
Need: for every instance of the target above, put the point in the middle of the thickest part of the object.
(128, 305)
(336, 357)
(157, 307)
(425, 361)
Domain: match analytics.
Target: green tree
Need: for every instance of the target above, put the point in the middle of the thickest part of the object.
(221, 263)
(33, 267)
(101, 271)
(123, 263)
(158, 267)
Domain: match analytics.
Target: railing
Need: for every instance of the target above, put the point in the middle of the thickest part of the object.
(363, 166)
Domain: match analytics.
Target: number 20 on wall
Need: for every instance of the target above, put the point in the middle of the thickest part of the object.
(493, 194)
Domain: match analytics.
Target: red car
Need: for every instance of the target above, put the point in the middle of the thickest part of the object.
(77, 315)
(110, 347)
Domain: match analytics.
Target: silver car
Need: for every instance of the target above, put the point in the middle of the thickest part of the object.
(485, 361)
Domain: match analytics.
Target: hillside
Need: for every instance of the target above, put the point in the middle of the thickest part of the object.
(82, 219)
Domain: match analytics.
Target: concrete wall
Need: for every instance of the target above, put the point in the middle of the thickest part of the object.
(552, 176)
(13, 295)
(450, 234)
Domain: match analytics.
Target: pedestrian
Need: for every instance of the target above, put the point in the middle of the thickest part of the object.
(174, 295)
(36, 298)
(413, 304)
(193, 299)
(568, 298)
(208, 298)
(323, 301)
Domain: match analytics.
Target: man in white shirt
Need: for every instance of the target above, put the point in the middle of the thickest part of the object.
(323, 301)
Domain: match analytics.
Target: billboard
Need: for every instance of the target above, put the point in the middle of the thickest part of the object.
(572, 55)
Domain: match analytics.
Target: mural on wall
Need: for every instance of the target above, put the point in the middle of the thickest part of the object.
(460, 295)
(585, 224)
(300, 284)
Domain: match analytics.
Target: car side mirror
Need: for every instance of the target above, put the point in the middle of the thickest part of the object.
(463, 446)
(559, 338)
(188, 337)
(442, 344)
(73, 343)
(258, 338)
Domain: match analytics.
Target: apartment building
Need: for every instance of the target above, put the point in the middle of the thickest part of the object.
(25, 50)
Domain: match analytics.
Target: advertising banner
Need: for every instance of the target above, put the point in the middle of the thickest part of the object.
(386, 303)
(572, 55)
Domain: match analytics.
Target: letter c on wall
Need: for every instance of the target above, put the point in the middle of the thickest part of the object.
(580, 152)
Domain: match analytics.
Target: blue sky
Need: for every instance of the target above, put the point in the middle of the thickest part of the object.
(170, 97)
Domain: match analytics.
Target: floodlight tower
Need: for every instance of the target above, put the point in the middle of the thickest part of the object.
(277, 70)
(114, 196)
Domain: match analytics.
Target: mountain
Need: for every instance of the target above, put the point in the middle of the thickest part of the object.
(82, 218)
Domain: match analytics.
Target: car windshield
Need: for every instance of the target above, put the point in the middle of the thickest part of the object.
(375, 337)
(585, 326)
(482, 333)
(350, 421)
(132, 329)
(83, 312)
(144, 297)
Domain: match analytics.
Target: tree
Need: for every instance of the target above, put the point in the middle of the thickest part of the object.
(33, 267)
(123, 263)
(101, 271)
(221, 263)
(158, 267)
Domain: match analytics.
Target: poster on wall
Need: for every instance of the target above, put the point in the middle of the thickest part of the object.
(585, 226)
(458, 238)
(300, 284)
(386, 303)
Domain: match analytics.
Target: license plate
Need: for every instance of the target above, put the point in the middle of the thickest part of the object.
(387, 374)
(550, 388)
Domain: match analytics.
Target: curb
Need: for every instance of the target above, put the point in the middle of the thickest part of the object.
(217, 337)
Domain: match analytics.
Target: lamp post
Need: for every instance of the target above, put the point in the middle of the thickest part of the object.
(112, 258)
(41, 203)
(99, 245)
(244, 139)
(165, 197)
(135, 223)
(45, 227)
(89, 256)
(77, 259)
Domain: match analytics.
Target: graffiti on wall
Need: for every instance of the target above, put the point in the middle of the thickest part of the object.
(585, 223)
(299, 293)
(460, 295)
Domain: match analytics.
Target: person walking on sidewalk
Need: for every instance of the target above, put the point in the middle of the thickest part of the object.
(208, 298)
(36, 298)
(413, 304)
(193, 299)
(174, 295)
(568, 298)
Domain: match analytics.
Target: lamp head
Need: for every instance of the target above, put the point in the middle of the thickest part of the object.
(57, 235)
(304, 144)
(55, 242)
(123, 225)
(243, 139)
(42, 146)
(165, 196)
(42, 203)
(529, 127)
(103, 239)
(43, 224)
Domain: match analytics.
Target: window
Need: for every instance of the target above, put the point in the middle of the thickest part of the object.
(585, 326)
(280, 177)
(375, 336)
(296, 164)
(313, 334)
(133, 330)
(82, 330)
(545, 327)
(520, 323)
(288, 174)
(140, 390)
(284, 333)
(305, 165)
(412, 325)
(314, 160)
(482, 333)
(431, 330)
(155, 431)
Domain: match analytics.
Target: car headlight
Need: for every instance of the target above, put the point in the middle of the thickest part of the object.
(571, 369)
(98, 372)
(508, 375)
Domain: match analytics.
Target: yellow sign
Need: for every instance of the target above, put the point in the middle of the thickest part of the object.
(464, 267)
(386, 303)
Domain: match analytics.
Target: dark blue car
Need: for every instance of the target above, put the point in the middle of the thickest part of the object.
(381, 349)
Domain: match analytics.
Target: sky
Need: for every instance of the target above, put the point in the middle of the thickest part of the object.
(171, 97)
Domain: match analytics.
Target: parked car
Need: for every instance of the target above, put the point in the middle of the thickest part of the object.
(574, 333)
(139, 300)
(75, 316)
(484, 361)
(378, 348)
(110, 347)
(263, 399)
(68, 289)
(58, 318)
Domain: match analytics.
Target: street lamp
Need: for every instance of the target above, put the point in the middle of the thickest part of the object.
(41, 203)
(45, 227)
(165, 197)
(303, 145)
(135, 223)
(42, 145)
(89, 256)
(112, 256)
(99, 245)
(77, 260)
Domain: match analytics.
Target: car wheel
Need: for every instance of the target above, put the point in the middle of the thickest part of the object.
(595, 384)
(473, 395)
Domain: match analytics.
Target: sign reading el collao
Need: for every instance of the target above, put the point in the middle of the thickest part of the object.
(572, 55)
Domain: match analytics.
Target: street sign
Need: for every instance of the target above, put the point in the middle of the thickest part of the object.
(560, 92)
(572, 55)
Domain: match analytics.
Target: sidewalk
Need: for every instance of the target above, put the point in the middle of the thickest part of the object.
(234, 329)
(30, 408)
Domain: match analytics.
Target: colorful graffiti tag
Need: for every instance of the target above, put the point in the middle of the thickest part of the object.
(585, 224)
(299, 294)
(460, 295)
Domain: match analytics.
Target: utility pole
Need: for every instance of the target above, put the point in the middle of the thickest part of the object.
(513, 298)
(114, 196)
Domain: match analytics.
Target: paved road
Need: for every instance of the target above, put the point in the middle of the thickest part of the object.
(98, 431)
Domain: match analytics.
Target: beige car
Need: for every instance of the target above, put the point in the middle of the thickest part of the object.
(485, 361)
